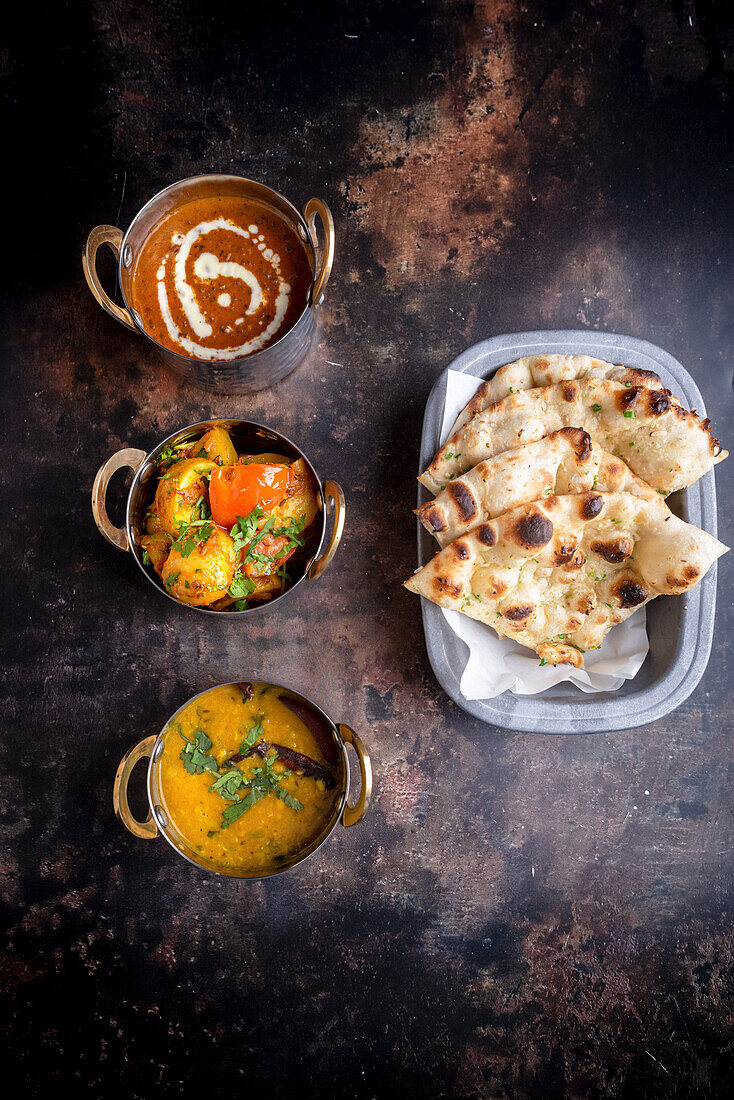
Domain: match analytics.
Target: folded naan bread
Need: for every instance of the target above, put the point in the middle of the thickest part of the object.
(546, 370)
(556, 575)
(563, 462)
(659, 440)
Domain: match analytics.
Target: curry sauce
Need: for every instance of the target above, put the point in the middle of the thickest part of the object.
(220, 277)
(244, 781)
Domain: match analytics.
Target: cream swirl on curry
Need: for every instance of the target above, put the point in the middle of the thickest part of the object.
(220, 278)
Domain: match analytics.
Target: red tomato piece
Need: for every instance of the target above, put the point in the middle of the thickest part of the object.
(269, 546)
(234, 491)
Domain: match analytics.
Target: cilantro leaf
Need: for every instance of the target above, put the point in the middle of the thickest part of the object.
(229, 784)
(289, 800)
(245, 527)
(237, 809)
(266, 527)
(241, 587)
(254, 733)
(195, 753)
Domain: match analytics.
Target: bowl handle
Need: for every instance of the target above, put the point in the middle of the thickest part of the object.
(352, 814)
(104, 234)
(333, 494)
(310, 210)
(128, 456)
(146, 830)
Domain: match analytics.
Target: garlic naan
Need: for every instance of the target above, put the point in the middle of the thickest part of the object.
(556, 575)
(563, 462)
(546, 370)
(659, 440)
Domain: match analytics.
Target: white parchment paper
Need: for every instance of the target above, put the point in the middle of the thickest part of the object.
(499, 664)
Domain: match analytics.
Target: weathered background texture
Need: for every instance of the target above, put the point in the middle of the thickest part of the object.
(518, 916)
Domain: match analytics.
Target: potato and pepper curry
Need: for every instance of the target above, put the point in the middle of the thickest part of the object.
(223, 527)
(248, 777)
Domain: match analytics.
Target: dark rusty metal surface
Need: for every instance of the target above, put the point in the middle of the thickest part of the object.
(517, 916)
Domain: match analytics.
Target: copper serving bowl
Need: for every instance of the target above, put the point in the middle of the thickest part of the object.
(158, 820)
(246, 436)
(251, 372)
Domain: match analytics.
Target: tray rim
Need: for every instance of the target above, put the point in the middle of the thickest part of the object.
(537, 713)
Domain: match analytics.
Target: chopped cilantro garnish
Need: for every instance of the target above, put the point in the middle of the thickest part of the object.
(254, 733)
(195, 753)
(237, 809)
(192, 532)
(263, 780)
(229, 784)
(630, 414)
(241, 587)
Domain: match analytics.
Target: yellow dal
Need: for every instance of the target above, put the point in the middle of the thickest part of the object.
(270, 832)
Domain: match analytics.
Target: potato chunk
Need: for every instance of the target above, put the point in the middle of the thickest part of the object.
(152, 521)
(179, 490)
(301, 498)
(157, 546)
(219, 447)
(267, 457)
(205, 575)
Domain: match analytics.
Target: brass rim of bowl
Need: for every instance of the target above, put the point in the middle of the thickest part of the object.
(305, 854)
(192, 179)
(265, 605)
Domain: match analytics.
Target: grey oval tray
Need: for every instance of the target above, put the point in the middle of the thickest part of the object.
(680, 629)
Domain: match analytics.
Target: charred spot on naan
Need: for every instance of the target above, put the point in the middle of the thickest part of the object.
(615, 550)
(590, 505)
(578, 440)
(460, 550)
(477, 402)
(585, 603)
(518, 612)
(446, 587)
(629, 591)
(463, 498)
(487, 534)
(565, 549)
(613, 470)
(628, 397)
(555, 653)
(432, 516)
(691, 573)
(569, 391)
(519, 615)
(496, 588)
(532, 530)
(640, 377)
(576, 562)
(658, 402)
